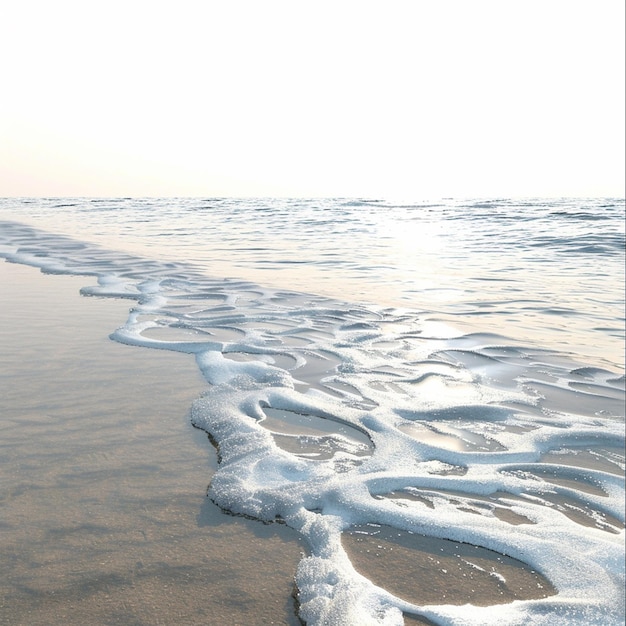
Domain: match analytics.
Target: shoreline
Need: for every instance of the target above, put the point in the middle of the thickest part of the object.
(108, 521)
(545, 327)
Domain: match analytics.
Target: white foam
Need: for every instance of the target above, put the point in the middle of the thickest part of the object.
(323, 498)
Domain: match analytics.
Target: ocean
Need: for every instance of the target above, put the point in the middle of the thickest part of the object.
(430, 394)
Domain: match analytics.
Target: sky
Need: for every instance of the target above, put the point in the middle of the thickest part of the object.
(400, 99)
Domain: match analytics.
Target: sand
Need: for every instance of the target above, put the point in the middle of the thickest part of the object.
(103, 479)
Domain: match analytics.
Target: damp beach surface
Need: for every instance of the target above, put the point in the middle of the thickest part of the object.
(105, 518)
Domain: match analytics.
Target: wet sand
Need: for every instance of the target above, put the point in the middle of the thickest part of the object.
(103, 479)
(449, 572)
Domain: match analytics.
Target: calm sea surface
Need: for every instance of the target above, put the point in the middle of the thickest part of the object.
(546, 271)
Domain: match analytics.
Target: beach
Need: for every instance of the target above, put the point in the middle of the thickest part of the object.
(313, 315)
(105, 515)
(377, 464)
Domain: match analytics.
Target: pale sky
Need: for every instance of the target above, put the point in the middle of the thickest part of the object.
(412, 99)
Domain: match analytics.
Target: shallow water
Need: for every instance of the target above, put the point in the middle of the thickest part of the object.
(546, 271)
(331, 415)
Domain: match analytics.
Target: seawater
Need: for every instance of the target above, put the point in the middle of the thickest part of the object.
(444, 371)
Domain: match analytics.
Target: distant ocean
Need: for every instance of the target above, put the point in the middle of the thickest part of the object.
(376, 370)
